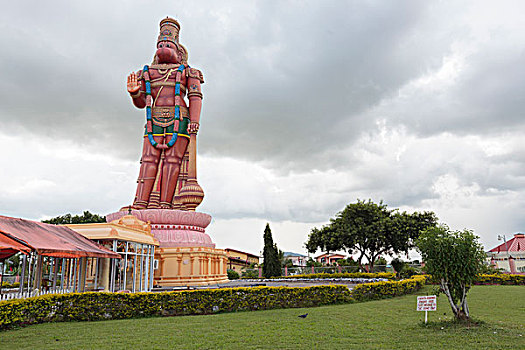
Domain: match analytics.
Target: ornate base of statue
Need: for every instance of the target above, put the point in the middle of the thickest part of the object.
(186, 254)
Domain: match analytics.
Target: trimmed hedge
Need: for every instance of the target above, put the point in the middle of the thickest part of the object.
(501, 279)
(381, 290)
(92, 306)
(387, 275)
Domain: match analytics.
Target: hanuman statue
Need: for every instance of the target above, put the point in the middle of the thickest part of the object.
(167, 178)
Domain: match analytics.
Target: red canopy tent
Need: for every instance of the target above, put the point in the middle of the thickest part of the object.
(9, 246)
(47, 240)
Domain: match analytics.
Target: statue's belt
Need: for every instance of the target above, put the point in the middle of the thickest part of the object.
(165, 116)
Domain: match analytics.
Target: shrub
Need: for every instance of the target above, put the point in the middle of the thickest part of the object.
(232, 274)
(381, 290)
(92, 306)
(500, 279)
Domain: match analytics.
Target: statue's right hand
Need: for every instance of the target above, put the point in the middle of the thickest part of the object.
(133, 83)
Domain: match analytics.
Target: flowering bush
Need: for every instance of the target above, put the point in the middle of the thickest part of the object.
(104, 306)
(500, 279)
(381, 290)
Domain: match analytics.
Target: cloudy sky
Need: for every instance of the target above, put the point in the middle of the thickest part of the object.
(308, 105)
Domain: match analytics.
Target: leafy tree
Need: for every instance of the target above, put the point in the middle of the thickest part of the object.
(370, 230)
(85, 218)
(271, 262)
(453, 259)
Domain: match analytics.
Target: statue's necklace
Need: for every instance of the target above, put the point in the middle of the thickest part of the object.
(149, 103)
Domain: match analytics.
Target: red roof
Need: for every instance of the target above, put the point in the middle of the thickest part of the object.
(9, 246)
(51, 240)
(516, 244)
(329, 255)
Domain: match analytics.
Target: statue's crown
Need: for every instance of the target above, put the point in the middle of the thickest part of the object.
(169, 30)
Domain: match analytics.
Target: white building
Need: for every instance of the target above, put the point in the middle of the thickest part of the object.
(510, 255)
(297, 259)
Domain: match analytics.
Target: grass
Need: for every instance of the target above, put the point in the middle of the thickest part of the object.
(383, 324)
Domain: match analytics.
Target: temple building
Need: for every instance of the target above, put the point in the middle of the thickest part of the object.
(510, 255)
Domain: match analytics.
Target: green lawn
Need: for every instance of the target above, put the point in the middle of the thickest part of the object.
(384, 324)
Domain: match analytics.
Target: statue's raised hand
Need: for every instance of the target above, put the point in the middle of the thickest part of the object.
(133, 83)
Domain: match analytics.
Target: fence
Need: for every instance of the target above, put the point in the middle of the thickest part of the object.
(8, 295)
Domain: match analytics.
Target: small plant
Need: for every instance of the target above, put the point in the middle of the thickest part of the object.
(232, 274)
(398, 265)
(454, 259)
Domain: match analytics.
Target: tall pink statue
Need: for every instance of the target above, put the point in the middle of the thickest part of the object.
(167, 191)
(167, 178)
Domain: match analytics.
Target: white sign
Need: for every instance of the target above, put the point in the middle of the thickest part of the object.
(427, 303)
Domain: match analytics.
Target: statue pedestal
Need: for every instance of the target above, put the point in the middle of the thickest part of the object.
(186, 254)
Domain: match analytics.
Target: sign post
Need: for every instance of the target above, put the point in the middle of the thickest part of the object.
(427, 303)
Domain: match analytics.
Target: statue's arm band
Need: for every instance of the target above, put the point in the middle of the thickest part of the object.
(195, 93)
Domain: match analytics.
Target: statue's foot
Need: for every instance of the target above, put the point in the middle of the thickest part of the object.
(165, 205)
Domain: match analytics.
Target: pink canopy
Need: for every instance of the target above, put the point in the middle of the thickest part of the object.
(49, 240)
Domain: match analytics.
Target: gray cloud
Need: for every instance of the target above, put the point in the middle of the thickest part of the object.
(307, 106)
(284, 82)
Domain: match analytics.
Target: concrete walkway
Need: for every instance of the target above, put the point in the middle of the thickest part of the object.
(243, 283)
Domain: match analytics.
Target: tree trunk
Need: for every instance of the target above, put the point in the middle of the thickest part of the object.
(464, 312)
(359, 261)
(444, 288)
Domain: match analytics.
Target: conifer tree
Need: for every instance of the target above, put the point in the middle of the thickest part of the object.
(271, 265)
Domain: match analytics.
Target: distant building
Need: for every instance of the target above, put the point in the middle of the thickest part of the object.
(239, 260)
(297, 259)
(509, 256)
(329, 259)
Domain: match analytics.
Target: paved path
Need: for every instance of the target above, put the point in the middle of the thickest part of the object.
(243, 283)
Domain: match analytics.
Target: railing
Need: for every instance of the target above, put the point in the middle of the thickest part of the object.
(15, 294)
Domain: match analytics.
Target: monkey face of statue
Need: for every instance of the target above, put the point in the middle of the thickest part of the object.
(167, 52)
